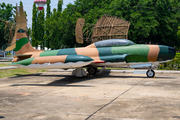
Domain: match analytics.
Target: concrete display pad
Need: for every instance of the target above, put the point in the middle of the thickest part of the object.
(111, 96)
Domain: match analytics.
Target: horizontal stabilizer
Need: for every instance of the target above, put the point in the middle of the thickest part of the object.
(23, 55)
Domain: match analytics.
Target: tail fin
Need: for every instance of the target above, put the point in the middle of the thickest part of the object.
(22, 43)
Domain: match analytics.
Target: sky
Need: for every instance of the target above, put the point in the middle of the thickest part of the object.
(28, 5)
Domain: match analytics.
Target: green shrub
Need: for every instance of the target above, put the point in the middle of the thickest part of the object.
(8, 53)
(172, 65)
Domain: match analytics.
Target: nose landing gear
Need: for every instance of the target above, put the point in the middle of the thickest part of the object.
(150, 73)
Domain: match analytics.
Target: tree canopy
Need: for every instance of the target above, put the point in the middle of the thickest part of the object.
(152, 21)
(6, 14)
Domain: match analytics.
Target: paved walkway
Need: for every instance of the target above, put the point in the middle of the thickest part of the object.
(110, 96)
(8, 67)
(5, 62)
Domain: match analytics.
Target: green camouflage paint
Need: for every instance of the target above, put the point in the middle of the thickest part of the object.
(21, 42)
(70, 51)
(49, 53)
(104, 51)
(24, 62)
(114, 58)
(136, 53)
(163, 53)
(77, 58)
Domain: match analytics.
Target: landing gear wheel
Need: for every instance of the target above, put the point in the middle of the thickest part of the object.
(92, 71)
(150, 73)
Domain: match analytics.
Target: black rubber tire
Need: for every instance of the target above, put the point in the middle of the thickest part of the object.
(92, 71)
(150, 73)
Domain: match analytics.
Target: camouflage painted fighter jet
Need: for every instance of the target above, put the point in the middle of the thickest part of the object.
(114, 52)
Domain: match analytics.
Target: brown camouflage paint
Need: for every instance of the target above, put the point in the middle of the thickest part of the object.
(15, 59)
(20, 35)
(153, 53)
(49, 59)
(26, 48)
(90, 52)
(91, 46)
(35, 53)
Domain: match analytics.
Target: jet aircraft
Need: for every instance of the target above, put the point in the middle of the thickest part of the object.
(112, 52)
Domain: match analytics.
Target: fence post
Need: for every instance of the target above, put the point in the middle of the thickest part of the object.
(4, 54)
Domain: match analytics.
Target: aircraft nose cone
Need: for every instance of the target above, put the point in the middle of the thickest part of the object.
(166, 53)
(172, 52)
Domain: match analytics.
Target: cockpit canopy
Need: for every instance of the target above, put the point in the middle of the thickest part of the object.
(114, 42)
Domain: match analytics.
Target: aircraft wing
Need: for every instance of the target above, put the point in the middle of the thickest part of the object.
(67, 61)
(23, 56)
(55, 62)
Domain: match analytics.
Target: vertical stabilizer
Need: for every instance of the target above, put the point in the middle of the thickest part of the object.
(21, 23)
(22, 43)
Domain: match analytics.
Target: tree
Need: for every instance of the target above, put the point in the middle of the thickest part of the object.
(48, 10)
(35, 26)
(29, 32)
(88, 9)
(151, 21)
(46, 36)
(53, 27)
(168, 22)
(38, 26)
(60, 3)
(178, 34)
(68, 23)
(6, 14)
(21, 4)
(40, 23)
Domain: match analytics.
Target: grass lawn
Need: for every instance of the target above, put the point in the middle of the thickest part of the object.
(18, 71)
(3, 65)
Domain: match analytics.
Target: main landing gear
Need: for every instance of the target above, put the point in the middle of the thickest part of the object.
(150, 73)
(92, 70)
(79, 72)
